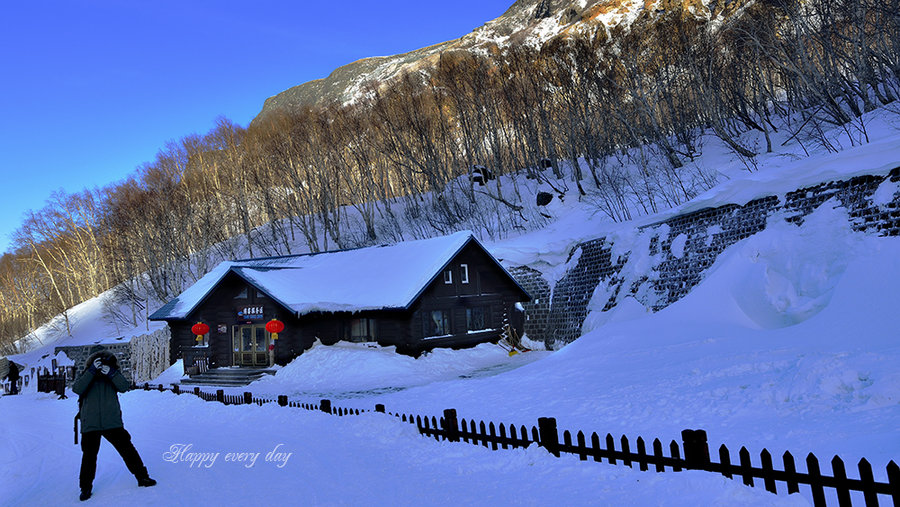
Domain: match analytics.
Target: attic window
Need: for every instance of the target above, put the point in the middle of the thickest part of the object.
(242, 294)
(463, 273)
(448, 276)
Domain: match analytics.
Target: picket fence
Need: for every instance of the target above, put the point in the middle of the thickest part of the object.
(55, 383)
(691, 454)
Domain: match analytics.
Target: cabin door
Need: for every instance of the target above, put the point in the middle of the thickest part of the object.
(251, 345)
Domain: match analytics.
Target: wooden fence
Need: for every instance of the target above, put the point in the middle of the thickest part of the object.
(52, 384)
(692, 453)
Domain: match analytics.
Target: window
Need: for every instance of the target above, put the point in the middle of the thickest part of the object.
(202, 342)
(448, 276)
(242, 294)
(438, 324)
(475, 319)
(362, 330)
(463, 273)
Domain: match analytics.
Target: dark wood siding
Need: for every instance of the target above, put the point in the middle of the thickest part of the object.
(220, 308)
(488, 287)
(392, 327)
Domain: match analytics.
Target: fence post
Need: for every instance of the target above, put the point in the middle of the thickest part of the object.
(549, 435)
(815, 480)
(696, 449)
(282, 399)
(839, 472)
(220, 396)
(325, 406)
(893, 473)
(791, 470)
(868, 480)
(196, 391)
(176, 389)
(60, 387)
(450, 425)
(248, 398)
(379, 408)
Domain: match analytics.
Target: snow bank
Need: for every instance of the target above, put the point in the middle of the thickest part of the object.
(356, 369)
(780, 276)
(173, 374)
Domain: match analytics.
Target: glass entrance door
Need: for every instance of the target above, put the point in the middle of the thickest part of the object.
(250, 345)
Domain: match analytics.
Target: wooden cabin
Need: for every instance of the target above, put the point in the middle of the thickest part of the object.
(416, 295)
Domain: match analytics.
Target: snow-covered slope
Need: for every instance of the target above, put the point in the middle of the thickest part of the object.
(100, 320)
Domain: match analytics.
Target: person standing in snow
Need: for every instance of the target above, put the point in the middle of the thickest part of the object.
(13, 377)
(101, 416)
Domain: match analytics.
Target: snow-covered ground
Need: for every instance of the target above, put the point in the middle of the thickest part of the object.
(313, 459)
(791, 342)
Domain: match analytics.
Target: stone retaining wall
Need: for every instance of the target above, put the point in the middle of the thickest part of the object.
(682, 248)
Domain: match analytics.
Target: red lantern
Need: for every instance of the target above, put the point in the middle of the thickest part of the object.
(274, 326)
(199, 329)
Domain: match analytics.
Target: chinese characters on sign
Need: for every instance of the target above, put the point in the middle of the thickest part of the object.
(250, 313)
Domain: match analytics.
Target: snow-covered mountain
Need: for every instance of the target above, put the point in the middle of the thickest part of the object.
(533, 22)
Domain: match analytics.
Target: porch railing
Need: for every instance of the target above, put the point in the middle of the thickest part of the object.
(196, 359)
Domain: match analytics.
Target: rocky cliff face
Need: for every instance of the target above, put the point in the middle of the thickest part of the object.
(525, 22)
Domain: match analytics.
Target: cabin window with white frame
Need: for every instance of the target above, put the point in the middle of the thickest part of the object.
(448, 277)
(438, 323)
(362, 330)
(463, 273)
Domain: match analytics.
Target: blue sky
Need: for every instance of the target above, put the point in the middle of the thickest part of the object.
(89, 90)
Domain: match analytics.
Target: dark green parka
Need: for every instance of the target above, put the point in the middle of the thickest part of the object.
(99, 394)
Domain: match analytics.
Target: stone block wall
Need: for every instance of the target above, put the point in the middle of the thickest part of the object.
(537, 312)
(682, 248)
(572, 293)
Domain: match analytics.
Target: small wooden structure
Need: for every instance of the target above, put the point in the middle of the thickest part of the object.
(416, 295)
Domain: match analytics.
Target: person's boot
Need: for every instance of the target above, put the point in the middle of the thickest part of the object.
(85, 494)
(146, 481)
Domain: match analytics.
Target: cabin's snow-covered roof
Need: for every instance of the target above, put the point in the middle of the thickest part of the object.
(373, 278)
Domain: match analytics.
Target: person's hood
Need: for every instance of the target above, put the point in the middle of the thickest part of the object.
(105, 356)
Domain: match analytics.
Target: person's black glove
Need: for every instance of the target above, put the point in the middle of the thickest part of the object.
(98, 365)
